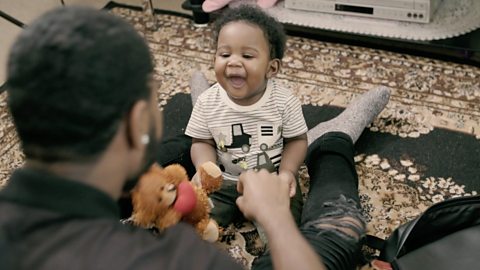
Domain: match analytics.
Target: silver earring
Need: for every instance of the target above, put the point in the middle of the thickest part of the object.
(145, 139)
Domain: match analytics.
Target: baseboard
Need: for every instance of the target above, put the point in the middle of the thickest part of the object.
(12, 19)
(113, 4)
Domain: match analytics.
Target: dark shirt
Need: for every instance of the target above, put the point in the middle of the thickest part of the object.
(47, 222)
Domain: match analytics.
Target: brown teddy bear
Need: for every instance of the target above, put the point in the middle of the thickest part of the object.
(165, 196)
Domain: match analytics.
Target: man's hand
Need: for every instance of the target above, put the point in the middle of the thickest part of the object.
(265, 199)
(265, 196)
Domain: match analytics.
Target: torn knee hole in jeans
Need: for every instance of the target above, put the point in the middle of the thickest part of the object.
(345, 218)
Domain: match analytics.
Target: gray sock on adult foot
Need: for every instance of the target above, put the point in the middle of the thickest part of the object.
(198, 85)
(358, 115)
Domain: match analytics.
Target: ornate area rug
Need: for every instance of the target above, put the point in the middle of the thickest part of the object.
(422, 149)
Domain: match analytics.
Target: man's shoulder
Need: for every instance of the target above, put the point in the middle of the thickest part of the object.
(179, 247)
(107, 243)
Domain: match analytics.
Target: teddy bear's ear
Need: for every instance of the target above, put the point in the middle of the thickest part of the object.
(155, 168)
(175, 173)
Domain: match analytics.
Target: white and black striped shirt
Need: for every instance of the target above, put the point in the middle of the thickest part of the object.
(251, 136)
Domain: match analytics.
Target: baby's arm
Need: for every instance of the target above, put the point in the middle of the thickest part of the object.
(203, 150)
(293, 156)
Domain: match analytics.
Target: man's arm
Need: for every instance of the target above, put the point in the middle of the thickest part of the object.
(265, 199)
(294, 152)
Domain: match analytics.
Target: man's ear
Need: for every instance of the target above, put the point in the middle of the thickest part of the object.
(137, 124)
(273, 67)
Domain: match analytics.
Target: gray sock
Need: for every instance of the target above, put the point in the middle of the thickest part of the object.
(198, 84)
(353, 120)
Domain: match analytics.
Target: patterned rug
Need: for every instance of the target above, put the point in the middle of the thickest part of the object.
(422, 149)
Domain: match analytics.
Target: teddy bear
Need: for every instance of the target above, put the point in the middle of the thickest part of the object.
(165, 196)
(212, 5)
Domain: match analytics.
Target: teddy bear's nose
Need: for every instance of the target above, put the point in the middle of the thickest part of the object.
(170, 187)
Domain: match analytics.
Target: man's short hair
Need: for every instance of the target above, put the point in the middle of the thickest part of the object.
(72, 75)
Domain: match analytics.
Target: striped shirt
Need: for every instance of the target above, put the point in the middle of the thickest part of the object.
(247, 137)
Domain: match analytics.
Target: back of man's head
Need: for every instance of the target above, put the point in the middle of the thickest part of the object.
(72, 76)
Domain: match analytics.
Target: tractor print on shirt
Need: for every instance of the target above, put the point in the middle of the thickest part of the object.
(242, 147)
(240, 139)
(265, 162)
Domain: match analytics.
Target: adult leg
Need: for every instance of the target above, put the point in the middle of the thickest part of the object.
(331, 221)
(176, 150)
(198, 85)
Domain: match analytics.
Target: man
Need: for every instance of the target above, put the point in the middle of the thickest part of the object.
(81, 97)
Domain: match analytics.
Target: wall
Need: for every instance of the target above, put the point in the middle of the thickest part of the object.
(27, 10)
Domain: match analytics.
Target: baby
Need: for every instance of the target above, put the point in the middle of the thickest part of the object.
(248, 120)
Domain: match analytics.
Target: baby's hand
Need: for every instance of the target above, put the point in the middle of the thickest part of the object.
(196, 180)
(292, 183)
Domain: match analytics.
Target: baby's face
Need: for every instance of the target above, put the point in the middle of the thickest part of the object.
(242, 62)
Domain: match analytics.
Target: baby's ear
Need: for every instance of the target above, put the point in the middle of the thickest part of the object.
(274, 67)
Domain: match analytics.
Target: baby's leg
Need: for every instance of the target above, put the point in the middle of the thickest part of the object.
(225, 209)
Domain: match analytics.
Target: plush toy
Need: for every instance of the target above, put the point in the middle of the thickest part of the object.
(212, 5)
(165, 196)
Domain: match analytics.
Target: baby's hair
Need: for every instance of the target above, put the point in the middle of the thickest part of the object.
(272, 29)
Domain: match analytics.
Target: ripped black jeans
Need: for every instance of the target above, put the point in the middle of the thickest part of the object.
(331, 219)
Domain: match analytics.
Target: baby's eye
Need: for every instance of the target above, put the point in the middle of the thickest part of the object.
(247, 56)
(225, 55)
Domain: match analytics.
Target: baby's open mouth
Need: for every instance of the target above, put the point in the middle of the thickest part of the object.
(236, 81)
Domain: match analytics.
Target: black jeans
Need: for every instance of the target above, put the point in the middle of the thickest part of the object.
(176, 150)
(226, 210)
(333, 195)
